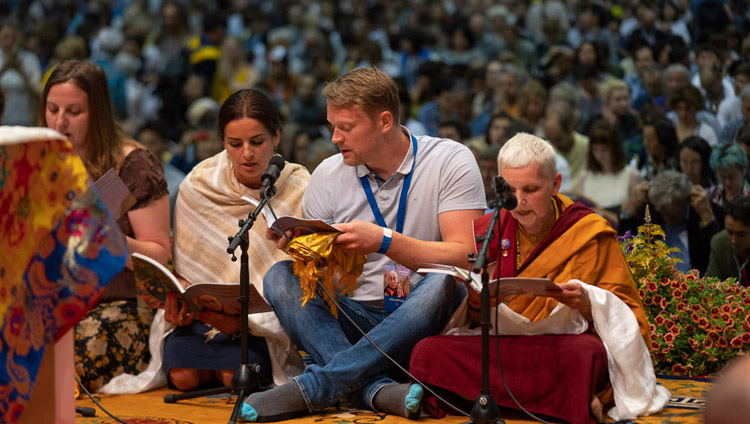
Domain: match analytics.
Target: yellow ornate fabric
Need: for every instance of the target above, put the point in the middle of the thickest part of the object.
(316, 257)
(60, 247)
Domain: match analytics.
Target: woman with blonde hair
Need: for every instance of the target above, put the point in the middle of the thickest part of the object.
(616, 110)
(113, 337)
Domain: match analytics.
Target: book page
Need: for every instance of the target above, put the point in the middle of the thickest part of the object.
(508, 286)
(224, 298)
(153, 281)
(115, 193)
(474, 280)
(512, 286)
(310, 225)
(265, 211)
(290, 222)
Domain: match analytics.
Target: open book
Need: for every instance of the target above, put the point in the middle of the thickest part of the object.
(154, 281)
(115, 193)
(290, 222)
(507, 286)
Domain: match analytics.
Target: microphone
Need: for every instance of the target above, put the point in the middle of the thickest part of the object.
(271, 174)
(502, 191)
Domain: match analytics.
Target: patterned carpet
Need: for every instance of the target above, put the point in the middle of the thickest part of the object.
(149, 408)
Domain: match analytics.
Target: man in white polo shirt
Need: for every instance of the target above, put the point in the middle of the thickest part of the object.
(405, 202)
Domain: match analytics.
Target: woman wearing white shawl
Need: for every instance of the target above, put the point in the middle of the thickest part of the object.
(208, 208)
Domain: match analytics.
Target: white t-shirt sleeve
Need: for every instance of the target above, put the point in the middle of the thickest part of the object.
(461, 185)
(317, 202)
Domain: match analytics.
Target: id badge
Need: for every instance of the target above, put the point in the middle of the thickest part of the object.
(395, 286)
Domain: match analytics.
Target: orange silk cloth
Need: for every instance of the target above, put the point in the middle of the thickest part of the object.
(581, 245)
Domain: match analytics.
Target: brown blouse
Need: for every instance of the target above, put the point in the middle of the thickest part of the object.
(142, 173)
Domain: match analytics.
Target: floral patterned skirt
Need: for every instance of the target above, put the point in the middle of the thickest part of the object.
(111, 340)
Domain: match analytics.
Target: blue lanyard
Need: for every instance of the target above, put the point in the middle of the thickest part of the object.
(402, 199)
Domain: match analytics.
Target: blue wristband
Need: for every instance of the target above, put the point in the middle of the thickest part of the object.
(387, 234)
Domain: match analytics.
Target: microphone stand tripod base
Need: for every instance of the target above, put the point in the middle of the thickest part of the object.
(485, 411)
(244, 383)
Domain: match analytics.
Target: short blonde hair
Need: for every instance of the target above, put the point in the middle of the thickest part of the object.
(369, 89)
(525, 149)
(610, 85)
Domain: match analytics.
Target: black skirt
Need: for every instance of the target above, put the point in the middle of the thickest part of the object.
(186, 347)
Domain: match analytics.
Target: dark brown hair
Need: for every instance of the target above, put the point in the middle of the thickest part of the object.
(104, 141)
(253, 104)
(602, 132)
(689, 94)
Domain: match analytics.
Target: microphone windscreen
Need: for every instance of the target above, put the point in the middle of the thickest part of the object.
(278, 161)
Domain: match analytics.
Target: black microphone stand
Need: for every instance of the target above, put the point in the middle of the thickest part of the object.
(247, 378)
(485, 410)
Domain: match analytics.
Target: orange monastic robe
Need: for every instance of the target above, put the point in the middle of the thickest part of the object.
(580, 245)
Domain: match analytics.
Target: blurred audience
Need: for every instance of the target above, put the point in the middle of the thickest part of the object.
(608, 179)
(694, 156)
(729, 162)
(20, 75)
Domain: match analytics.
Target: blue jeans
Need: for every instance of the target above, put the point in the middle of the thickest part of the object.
(346, 364)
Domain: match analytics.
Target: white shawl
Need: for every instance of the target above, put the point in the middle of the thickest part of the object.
(208, 208)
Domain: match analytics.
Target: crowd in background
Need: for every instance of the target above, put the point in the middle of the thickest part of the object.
(622, 89)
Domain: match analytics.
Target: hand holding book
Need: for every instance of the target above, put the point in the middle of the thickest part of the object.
(287, 223)
(154, 282)
(509, 286)
(287, 228)
(505, 287)
(178, 313)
